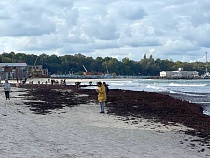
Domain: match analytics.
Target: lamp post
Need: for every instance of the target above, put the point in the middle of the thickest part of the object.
(206, 64)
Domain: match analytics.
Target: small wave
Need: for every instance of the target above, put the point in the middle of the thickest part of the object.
(188, 94)
(157, 88)
(201, 102)
(206, 112)
(173, 92)
(117, 84)
(121, 83)
(187, 85)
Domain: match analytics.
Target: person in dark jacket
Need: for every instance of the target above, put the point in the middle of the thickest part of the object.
(106, 87)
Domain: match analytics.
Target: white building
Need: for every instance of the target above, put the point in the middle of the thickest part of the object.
(179, 74)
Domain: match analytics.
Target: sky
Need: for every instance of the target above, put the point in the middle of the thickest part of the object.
(177, 30)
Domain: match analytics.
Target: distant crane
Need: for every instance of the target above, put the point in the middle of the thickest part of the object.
(85, 68)
(36, 61)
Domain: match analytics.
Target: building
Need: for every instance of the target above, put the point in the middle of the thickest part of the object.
(13, 70)
(37, 71)
(91, 73)
(179, 74)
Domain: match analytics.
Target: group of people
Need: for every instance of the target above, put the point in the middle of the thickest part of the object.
(102, 94)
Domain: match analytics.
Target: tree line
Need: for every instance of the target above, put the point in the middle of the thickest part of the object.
(147, 66)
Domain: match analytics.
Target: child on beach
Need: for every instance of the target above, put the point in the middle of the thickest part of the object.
(6, 86)
(101, 95)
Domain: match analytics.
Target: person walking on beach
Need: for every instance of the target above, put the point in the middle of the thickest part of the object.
(101, 95)
(6, 86)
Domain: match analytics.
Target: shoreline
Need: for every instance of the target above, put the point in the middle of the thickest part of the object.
(197, 98)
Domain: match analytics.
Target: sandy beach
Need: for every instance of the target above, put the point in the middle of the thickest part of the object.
(75, 128)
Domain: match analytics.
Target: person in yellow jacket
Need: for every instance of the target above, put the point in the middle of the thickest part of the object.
(101, 95)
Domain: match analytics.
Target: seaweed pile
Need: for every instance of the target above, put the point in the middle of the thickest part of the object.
(151, 105)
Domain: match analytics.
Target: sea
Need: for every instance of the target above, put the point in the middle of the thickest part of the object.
(195, 91)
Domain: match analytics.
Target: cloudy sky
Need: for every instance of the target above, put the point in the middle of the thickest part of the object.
(165, 29)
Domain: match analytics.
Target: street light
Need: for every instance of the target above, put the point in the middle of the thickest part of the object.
(206, 64)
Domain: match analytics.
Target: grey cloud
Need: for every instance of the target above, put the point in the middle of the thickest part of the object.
(72, 49)
(196, 13)
(139, 42)
(101, 30)
(44, 43)
(26, 21)
(71, 16)
(99, 44)
(4, 15)
(61, 3)
(199, 36)
(16, 28)
(30, 19)
(132, 12)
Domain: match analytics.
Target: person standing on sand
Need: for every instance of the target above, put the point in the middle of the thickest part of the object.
(101, 95)
(6, 86)
(106, 87)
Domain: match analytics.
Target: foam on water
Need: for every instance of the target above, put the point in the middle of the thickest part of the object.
(187, 94)
(157, 88)
(201, 102)
(187, 85)
(154, 85)
(188, 88)
(206, 113)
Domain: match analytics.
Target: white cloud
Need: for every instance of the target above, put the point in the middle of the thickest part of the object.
(131, 11)
(121, 28)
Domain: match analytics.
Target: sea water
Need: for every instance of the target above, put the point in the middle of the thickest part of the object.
(195, 91)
